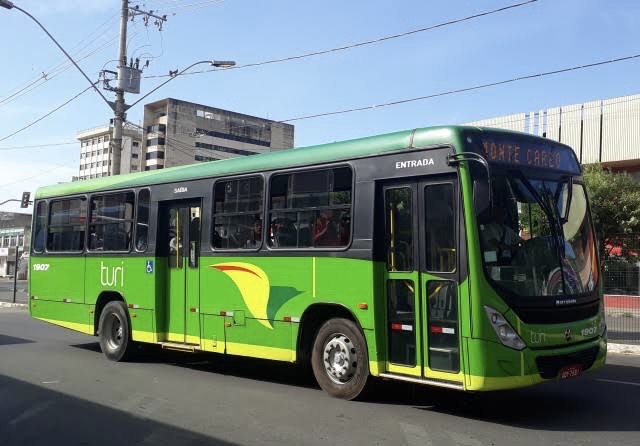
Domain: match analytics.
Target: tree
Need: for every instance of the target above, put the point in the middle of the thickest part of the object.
(615, 209)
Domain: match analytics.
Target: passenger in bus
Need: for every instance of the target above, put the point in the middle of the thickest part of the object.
(499, 236)
(325, 232)
(256, 234)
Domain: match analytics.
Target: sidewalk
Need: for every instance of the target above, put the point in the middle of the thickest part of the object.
(6, 291)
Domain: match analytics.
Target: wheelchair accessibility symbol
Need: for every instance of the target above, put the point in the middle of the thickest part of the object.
(149, 266)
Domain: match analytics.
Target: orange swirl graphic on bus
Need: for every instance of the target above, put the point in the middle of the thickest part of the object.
(253, 284)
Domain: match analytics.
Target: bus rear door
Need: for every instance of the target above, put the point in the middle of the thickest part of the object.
(181, 239)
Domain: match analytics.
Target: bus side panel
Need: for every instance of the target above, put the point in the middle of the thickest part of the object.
(58, 278)
(347, 282)
(74, 316)
(261, 294)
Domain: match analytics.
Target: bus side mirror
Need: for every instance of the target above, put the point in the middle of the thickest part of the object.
(481, 196)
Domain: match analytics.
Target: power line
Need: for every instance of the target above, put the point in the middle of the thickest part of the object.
(65, 64)
(501, 120)
(49, 113)
(59, 166)
(363, 43)
(45, 77)
(465, 89)
(35, 146)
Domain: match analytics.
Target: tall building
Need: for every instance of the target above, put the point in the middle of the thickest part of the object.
(605, 131)
(96, 153)
(15, 234)
(179, 132)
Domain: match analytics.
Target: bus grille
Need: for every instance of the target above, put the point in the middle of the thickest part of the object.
(549, 366)
(557, 315)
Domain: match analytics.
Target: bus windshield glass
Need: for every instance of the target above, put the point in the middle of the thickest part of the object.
(537, 237)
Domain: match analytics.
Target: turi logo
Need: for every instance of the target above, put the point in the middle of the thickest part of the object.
(112, 275)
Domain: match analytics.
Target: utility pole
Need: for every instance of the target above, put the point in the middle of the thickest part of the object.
(127, 77)
(119, 106)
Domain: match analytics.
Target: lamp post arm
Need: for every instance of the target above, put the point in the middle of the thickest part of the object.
(169, 80)
(93, 84)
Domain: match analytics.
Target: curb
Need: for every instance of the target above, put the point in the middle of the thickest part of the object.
(625, 349)
(12, 305)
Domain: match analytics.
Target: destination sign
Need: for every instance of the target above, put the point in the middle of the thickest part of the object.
(528, 153)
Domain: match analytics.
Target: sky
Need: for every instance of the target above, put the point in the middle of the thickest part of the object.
(542, 36)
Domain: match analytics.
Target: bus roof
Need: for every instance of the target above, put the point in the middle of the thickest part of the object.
(303, 156)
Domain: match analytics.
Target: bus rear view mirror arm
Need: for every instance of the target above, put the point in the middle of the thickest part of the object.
(482, 200)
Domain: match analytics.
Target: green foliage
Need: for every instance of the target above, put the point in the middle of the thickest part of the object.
(615, 208)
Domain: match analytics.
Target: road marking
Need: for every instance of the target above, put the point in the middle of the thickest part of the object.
(30, 413)
(628, 383)
(415, 435)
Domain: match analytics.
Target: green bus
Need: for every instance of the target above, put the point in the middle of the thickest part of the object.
(456, 256)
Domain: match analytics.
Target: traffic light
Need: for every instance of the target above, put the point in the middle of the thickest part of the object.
(24, 203)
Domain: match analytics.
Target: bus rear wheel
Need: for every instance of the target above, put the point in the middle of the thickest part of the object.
(114, 332)
(339, 359)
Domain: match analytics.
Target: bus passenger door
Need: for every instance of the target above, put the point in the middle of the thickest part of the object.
(439, 276)
(181, 236)
(421, 285)
(402, 282)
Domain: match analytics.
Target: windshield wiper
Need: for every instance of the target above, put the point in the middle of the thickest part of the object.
(554, 221)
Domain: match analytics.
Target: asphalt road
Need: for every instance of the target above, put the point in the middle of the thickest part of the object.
(57, 389)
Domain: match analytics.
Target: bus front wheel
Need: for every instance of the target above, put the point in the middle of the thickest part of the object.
(339, 359)
(114, 332)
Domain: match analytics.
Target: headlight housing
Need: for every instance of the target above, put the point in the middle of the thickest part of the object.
(504, 330)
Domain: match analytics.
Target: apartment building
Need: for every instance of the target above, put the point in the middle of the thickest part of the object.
(179, 132)
(96, 153)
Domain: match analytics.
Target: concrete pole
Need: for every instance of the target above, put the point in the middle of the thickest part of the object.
(119, 105)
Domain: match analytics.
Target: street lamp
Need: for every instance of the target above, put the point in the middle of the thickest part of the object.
(9, 5)
(176, 73)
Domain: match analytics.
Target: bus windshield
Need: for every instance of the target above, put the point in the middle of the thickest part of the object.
(528, 248)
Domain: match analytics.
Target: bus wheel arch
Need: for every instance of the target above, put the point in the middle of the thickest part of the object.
(331, 335)
(114, 331)
(103, 299)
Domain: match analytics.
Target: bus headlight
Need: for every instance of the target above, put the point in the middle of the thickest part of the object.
(504, 330)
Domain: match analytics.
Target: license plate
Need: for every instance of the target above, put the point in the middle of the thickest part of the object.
(570, 371)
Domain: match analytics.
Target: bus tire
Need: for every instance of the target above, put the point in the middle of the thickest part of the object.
(114, 332)
(340, 360)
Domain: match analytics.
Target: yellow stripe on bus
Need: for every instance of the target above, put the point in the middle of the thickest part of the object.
(83, 328)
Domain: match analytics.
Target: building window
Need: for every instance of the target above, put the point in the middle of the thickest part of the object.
(66, 225)
(237, 213)
(111, 222)
(311, 209)
(202, 145)
(154, 155)
(200, 113)
(204, 158)
(134, 155)
(155, 142)
(136, 144)
(106, 138)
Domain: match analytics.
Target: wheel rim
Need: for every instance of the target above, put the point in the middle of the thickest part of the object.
(339, 359)
(114, 331)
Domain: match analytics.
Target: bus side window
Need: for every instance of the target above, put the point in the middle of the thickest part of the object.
(39, 227)
(142, 220)
(237, 210)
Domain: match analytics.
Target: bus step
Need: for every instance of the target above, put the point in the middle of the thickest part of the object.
(179, 347)
(432, 382)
